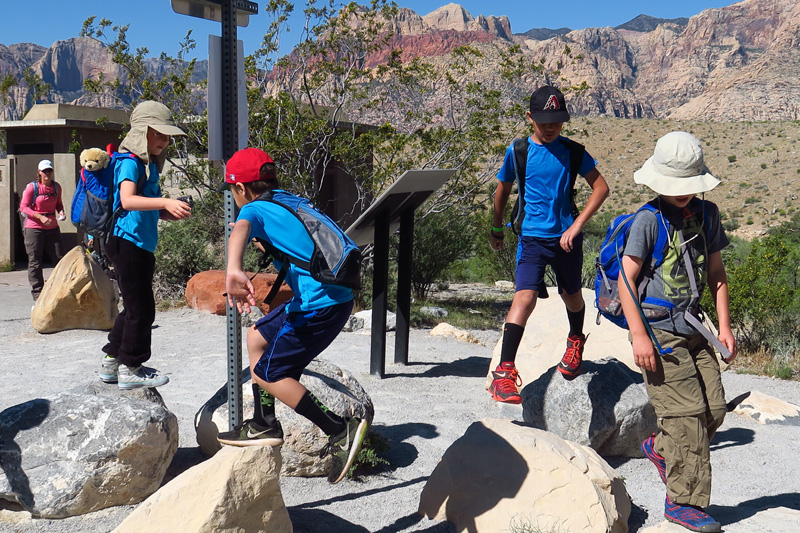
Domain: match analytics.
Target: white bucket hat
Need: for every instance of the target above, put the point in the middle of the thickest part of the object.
(676, 167)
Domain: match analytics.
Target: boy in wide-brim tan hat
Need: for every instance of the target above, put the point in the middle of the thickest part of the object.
(684, 386)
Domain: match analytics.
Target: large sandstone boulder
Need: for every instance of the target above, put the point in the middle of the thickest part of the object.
(85, 449)
(606, 407)
(77, 295)
(545, 339)
(236, 490)
(204, 291)
(504, 476)
(303, 441)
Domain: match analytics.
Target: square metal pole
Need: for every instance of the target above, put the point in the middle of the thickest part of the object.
(229, 141)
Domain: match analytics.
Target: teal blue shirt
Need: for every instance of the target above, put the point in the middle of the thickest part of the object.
(283, 230)
(139, 227)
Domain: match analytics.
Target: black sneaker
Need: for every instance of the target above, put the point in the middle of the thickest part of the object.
(248, 433)
(344, 447)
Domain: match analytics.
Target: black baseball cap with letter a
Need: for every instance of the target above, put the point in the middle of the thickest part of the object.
(548, 106)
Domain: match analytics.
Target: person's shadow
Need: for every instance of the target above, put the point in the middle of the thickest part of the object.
(469, 491)
(12, 421)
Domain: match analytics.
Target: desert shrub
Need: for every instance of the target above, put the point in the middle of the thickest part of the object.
(189, 246)
(487, 265)
(440, 239)
(369, 457)
(763, 296)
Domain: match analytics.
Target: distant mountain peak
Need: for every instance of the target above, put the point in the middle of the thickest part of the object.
(645, 23)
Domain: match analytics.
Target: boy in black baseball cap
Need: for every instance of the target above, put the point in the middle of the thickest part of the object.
(550, 231)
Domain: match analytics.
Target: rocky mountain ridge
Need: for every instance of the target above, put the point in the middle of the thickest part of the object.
(739, 62)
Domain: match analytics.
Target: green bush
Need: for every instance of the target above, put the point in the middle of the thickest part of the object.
(188, 246)
(763, 306)
(440, 239)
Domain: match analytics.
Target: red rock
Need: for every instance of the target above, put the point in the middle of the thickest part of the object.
(205, 290)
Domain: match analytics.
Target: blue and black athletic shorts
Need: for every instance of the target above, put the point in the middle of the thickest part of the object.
(534, 254)
(295, 339)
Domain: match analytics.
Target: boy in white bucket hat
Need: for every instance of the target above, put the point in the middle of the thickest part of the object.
(684, 385)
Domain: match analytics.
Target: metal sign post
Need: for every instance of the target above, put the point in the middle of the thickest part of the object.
(226, 12)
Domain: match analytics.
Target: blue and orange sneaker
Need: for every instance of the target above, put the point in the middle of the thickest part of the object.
(648, 447)
(690, 517)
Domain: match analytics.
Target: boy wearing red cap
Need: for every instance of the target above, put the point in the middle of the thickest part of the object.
(284, 342)
(551, 234)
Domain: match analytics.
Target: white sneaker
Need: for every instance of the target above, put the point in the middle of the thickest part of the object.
(109, 369)
(140, 376)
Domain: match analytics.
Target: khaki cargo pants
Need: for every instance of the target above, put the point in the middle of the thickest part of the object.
(686, 392)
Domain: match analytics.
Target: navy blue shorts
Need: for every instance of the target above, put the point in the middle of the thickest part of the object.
(534, 254)
(295, 339)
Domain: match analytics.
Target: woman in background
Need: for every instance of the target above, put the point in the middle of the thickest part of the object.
(42, 209)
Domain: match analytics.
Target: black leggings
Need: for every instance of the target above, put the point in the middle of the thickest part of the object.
(129, 339)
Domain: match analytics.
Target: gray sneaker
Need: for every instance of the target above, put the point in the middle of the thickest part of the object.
(140, 376)
(109, 369)
(344, 447)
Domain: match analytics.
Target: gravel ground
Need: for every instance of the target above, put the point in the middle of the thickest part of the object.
(754, 465)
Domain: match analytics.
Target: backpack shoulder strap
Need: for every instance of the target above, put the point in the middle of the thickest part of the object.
(576, 151)
(270, 249)
(35, 193)
(521, 161)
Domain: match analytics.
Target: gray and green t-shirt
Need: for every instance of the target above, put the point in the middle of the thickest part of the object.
(671, 280)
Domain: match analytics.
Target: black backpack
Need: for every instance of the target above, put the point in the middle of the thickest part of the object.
(576, 151)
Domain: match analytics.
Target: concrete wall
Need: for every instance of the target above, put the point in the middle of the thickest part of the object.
(6, 210)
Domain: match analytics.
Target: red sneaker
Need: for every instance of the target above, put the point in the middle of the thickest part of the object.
(505, 383)
(570, 365)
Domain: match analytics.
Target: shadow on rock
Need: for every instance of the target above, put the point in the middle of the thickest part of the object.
(13, 420)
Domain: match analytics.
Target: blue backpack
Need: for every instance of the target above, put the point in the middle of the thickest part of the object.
(336, 259)
(606, 283)
(93, 203)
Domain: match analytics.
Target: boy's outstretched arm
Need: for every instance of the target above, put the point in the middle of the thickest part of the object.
(599, 193)
(171, 208)
(718, 284)
(644, 354)
(238, 286)
(501, 195)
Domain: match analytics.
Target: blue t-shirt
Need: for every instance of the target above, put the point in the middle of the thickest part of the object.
(548, 210)
(289, 235)
(139, 227)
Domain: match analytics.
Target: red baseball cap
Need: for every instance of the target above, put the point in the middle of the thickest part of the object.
(245, 167)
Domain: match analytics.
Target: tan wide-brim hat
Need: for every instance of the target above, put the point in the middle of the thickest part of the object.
(154, 115)
(676, 167)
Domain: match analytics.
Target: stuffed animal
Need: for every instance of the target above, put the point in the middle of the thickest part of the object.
(94, 159)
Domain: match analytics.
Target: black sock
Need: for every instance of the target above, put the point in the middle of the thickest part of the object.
(512, 336)
(313, 409)
(263, 407)
(576, 321)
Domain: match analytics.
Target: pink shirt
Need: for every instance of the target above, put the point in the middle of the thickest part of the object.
(48, 202)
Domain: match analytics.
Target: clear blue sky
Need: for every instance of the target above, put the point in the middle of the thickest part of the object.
(159, 29)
